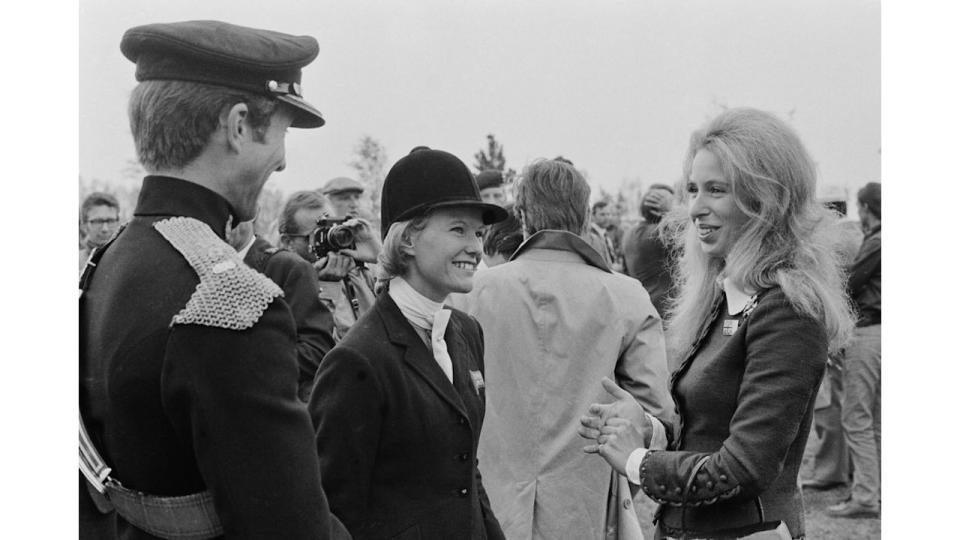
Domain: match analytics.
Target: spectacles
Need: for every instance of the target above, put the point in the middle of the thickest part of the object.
(99, 222)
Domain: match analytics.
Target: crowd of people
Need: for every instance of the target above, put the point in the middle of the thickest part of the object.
(489, 363)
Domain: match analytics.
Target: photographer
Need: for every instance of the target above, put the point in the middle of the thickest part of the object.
(346, 284)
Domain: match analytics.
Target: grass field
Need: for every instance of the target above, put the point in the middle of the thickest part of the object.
(819, 525)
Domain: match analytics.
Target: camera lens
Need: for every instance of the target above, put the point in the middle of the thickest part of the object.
(341, 237)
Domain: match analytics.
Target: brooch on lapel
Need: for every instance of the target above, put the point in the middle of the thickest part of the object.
(730, 326)
(477, 378)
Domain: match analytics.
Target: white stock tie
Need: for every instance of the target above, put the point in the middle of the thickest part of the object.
(424, 313)
(440, 321)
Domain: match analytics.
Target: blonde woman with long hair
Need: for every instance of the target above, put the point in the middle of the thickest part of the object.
(761, 302)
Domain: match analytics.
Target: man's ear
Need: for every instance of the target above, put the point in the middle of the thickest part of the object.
(235, 123)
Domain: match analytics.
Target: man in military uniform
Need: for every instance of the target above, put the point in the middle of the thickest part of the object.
(188, 371)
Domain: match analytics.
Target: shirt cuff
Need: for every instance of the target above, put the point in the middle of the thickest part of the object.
(633, 465)
(659, 439)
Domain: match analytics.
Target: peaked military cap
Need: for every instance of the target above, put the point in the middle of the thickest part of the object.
(213, 52)
(426, 179)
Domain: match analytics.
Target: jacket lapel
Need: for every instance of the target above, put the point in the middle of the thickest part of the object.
(459, 355)
(417, 355)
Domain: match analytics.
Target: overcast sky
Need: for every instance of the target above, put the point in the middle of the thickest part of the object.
(615, 86)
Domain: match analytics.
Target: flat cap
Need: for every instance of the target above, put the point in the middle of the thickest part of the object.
(213, 52)
(342, 184)
(489, 178)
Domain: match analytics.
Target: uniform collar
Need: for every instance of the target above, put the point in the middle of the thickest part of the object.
(562, 241)
(242, 252)
(737, 298)
(167, 196)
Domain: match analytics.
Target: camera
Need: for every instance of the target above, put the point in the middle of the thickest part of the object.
(331, 235)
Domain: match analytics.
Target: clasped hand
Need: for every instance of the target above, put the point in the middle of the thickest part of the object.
(616, 429)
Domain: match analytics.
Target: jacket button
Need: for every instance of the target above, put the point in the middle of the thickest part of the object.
(663, 487)
(709, 484)
(463, 457)
(626, 504)
(678, 490)
(463, 492)
(461, 420)
(723, 478)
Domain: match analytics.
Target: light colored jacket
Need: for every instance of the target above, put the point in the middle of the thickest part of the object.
(556, 321)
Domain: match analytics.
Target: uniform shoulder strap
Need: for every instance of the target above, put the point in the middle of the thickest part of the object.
(230, 294)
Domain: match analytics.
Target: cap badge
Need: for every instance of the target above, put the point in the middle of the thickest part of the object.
(284, 89)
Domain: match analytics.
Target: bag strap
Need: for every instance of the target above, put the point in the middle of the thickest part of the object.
(87, 273)
(686, 494)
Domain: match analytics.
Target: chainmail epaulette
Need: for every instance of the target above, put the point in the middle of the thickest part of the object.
(230, 294)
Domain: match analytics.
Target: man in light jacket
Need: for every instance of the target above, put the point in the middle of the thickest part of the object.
(555, 321)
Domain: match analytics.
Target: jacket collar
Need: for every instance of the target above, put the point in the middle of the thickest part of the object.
(242, 252)
(562, 241)
(166, 196)
(417, 355)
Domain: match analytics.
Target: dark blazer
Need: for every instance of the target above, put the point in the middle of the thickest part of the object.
(746, 401)
(177, 409)
(301, 292)
(397, 441)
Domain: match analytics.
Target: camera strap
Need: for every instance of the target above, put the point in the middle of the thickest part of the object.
(351, 296)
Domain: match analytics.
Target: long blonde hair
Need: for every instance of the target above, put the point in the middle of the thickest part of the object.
(788, 241)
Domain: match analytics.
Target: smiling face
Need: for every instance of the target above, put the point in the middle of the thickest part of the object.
(715, 214)
(444, 255)
(261, 158)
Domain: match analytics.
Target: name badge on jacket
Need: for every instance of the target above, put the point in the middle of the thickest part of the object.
(477, 378)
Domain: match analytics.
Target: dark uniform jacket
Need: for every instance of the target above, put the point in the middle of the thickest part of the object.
(746, 401)
(397, 441)
(178, 408)
(301, 292)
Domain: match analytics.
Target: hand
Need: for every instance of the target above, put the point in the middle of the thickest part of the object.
(658, 201)
(625, 407)
(617, 440)
(368, 243)
(334, 267)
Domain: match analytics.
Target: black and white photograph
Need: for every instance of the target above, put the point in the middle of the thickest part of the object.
(526, 270)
